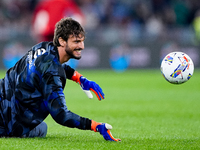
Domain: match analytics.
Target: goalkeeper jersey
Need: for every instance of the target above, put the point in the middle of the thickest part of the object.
(33, 89)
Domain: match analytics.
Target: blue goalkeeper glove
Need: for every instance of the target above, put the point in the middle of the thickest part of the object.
(104, 130)
(88, 85)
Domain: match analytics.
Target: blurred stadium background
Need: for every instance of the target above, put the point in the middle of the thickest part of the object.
(121, 34)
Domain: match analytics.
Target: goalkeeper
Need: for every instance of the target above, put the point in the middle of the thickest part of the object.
(33, 88)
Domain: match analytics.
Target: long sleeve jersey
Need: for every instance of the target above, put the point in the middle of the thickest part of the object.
(33, 89)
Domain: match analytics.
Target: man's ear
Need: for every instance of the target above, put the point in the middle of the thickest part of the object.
(62, 42)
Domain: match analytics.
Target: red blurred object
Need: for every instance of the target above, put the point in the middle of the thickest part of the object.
(48, 12)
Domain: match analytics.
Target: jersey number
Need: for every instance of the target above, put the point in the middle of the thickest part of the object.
(39, 52)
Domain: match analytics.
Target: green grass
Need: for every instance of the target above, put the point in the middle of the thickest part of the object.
(146, 112)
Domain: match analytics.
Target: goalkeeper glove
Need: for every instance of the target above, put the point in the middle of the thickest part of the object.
(104, 130)
(88, 85)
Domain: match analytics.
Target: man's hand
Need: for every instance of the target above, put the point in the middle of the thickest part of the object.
(88, 85)
(104, 130)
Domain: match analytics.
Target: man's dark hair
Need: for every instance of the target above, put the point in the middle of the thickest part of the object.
(66, 27)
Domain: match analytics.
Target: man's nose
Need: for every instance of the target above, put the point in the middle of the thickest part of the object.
(81, 45)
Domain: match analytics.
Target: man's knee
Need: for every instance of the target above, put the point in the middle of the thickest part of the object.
(43, 129)
(38, 131)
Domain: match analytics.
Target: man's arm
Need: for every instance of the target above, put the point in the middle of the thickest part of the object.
(85, 84)
(102, 128)
(54, 100)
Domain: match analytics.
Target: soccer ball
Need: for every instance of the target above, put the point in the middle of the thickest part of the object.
(177, 67)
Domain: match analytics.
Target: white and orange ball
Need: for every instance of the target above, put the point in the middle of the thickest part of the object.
(177, 67)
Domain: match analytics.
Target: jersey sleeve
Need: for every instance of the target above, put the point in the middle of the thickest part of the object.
(55, 102)
(68, 71)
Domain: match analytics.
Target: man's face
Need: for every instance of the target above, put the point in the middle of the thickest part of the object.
(74, 46)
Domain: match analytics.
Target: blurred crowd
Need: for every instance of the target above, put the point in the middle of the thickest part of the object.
(120, 24)
(153, 16)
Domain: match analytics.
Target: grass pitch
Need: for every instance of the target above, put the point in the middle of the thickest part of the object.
(146, 112)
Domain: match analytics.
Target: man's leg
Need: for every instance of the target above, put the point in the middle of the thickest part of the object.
(38, 131)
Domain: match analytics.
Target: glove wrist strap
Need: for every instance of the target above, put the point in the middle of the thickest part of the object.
(76, 77)
(94, 125)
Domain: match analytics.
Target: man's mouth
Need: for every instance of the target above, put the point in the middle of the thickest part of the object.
(78, 51)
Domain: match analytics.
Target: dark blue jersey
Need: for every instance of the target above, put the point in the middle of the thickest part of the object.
(33, 89)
